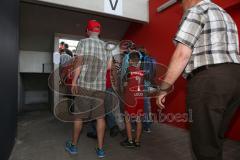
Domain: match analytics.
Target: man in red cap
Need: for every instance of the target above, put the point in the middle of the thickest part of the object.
(93, 26)
(91, 64)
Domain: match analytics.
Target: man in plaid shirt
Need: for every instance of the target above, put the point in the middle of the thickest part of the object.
(207, 54)
(89, 85)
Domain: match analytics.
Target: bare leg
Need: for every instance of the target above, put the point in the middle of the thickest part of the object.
(77, 127)
(101, 125)
(139, 130)
(128, 127)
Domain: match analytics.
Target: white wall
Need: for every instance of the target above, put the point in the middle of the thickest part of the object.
(35, 62)
(137, 10)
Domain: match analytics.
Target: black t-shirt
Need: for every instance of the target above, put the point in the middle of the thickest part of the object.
(67, 51)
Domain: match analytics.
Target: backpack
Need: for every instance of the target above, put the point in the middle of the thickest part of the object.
(148, 64)
(149, 68)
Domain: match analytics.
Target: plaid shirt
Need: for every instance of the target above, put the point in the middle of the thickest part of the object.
(211, 34)
(95, 61)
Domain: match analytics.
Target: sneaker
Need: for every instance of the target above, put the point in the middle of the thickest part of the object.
(100, 153)
(127, 143)
(114, 131)
(123, 133)
(72, 149)
(137, 144)
(147, 130)
(91, 135)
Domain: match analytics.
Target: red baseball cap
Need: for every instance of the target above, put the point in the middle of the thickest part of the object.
(94, 26)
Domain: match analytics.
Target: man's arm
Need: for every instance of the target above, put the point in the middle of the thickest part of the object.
(110, 61)
(76, 72)
(114, 76)
(177, 65)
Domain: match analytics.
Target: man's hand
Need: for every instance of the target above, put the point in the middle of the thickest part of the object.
(161, 100)
(74, 88)
(78, 61)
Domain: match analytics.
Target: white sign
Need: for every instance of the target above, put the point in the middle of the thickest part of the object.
(113, 7)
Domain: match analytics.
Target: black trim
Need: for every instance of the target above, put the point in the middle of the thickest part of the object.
(9, 30)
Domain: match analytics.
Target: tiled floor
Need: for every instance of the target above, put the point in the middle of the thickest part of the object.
(42, 137)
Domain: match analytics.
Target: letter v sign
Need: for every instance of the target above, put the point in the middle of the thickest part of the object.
(114, 6)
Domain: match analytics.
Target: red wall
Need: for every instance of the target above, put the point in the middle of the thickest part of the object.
(157, 38)
(234, 131)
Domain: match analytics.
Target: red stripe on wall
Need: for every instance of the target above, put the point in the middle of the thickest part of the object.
(234, 131)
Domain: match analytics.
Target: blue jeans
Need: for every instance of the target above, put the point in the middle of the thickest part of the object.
(147, 119)
(147, 122)
(110, 118)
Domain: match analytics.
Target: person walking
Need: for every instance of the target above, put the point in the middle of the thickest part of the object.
(207, 53)
(89, 85)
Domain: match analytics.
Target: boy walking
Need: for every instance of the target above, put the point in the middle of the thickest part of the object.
(134, 100)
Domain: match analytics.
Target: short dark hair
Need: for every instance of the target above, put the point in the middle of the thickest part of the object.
(134, 56)
(66, 45)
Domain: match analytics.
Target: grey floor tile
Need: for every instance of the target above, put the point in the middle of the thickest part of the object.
(42, 137)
